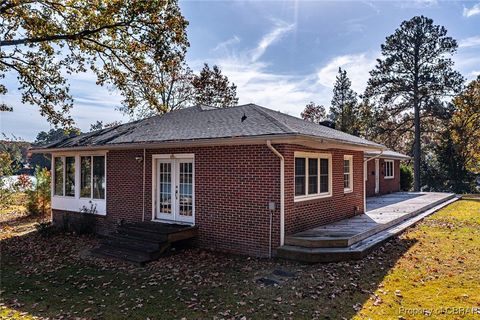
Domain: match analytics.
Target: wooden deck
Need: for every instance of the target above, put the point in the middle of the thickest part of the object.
(384, 214)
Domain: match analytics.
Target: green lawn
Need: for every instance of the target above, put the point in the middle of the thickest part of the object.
(431, 266)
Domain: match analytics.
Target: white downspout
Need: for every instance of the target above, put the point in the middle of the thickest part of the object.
(365, 181)
(282, 191)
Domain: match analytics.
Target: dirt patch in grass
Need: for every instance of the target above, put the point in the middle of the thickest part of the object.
(428, 265)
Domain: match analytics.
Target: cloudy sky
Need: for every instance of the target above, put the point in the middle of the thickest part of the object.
(280, 54)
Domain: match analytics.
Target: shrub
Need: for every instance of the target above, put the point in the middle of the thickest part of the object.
(7, 190)
(46, 229)
(39, 196)
(24, 182)
(406, 177)
(85, 223)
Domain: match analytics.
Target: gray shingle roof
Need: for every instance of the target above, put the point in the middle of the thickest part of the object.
(201, 122)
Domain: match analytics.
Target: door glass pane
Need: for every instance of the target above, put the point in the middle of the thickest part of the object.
(58, 186)
(86, 177)
(165, 188)
(99, 177)
(185, 189)
(70, 176)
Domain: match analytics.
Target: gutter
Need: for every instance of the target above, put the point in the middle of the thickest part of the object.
(282, 193)
(281, 138)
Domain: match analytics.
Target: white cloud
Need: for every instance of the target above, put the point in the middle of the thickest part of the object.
(469, 12)
(475, 73)
(469, 42)
(273, 36)
(227, 43)
(357, 66)
(288, 92)
(418, 4)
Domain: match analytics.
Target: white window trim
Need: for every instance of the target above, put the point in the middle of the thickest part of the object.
(318, 156)
(350, 187)
(172, 156)
(75, 203)
(393, 169)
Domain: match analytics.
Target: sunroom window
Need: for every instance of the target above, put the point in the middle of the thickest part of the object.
(58, 176)
(64, 176)
(92, 177)
(312, 175)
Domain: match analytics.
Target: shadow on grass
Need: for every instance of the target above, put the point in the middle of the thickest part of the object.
(47, 277)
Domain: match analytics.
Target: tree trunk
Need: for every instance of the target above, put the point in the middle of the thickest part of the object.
(417, 155)
(417, 148)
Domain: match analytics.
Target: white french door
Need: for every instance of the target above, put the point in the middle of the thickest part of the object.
(174, 192)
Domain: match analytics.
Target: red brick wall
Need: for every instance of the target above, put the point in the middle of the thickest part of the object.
(386, 185)
(308, 214)
(233, 186)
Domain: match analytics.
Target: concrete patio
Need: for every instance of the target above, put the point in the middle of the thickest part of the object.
(353, 238)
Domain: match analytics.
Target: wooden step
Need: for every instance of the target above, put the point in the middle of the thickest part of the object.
(131, 255)
(356, 251)
(117, 240)
(141, 234)
(142, 242)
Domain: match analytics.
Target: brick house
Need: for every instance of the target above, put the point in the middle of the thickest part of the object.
(246, 176)
(382, 172)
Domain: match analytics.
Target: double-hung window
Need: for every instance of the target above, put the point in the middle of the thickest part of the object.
(312, 175)
(388, 169)
(347, 173)
(64, 176)
(92, 177)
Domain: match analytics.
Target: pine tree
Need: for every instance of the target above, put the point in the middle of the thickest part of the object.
(411, 80)
(212, 88)
(344, 108)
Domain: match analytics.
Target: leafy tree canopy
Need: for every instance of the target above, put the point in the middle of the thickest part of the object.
(313, 112)
(465, 125)
(123, 42)
(212, 88)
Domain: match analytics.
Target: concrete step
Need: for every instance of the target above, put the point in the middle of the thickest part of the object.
(347, 239)
(358, 250)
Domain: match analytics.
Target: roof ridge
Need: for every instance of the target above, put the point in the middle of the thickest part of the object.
(273, 120)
